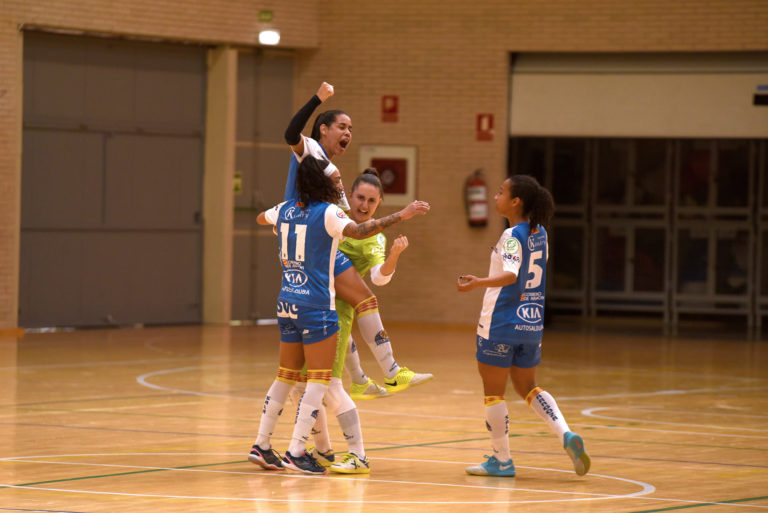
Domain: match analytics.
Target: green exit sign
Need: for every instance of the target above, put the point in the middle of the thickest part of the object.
(265, 15)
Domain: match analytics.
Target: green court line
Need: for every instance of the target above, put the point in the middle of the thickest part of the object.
(147, 471)
(688, 506)
(425, 444)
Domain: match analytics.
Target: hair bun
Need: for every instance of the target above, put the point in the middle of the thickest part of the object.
(371, 171)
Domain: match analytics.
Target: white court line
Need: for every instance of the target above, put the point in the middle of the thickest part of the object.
(645, 488)
(589, 412)
(661, 392)
(230, 360)
(661, 409)
(143, 380)
(95, 410)
(642, 494)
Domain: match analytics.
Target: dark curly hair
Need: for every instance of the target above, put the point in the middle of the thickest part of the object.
(312, 183)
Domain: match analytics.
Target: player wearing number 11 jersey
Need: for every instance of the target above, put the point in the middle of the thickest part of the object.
(509, 331)
(309, 229)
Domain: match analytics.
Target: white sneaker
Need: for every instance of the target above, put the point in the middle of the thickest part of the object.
(351, 464)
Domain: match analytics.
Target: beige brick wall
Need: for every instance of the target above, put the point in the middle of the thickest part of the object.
(10, 166)
(447, 60)
(228, 22)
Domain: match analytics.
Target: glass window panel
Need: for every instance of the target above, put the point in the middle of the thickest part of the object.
(764, 173)
(568, 171)
(567, 257)
(530, 157)
(694, 173)
(612, 171)
(764, 266)
(732, 173)
(692, 261)
(610, 259)
(732, 262)
(649, 258)
(651, 171)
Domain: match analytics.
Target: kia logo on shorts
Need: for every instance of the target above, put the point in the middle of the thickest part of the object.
(295, 277)
(530, 312)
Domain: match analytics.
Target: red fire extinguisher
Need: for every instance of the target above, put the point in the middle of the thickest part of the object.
(476, 196)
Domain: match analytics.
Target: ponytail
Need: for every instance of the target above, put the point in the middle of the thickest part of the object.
(538, 204)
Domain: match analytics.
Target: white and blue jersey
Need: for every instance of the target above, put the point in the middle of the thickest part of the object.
(515, 313)
(311, 147)
(308, 241)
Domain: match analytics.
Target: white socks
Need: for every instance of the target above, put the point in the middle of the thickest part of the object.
(306, 414)
(546, 407)
(369, 322)
(273, 404)
(352, 364)
(497, 422)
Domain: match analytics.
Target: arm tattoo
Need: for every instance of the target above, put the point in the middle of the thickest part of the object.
(374, 226)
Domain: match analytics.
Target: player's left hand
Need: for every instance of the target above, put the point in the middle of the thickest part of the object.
(399, 244)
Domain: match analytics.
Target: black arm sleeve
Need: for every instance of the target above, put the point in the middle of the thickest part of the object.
(299, 121)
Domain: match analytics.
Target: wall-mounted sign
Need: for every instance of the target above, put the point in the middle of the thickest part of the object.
(389, 108)
(485, 127)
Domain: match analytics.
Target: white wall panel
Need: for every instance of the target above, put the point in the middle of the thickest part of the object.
(639, 95)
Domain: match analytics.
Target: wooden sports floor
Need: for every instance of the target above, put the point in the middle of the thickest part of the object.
(162, 419)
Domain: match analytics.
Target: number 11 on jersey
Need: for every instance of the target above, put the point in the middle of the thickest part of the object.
(301, 240)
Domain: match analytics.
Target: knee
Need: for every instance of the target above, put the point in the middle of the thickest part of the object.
(337, 401)
(524, 388)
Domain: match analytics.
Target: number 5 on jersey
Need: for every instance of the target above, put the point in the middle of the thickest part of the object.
(535, 269)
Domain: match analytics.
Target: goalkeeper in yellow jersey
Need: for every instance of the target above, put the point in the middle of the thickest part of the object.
(368, 255)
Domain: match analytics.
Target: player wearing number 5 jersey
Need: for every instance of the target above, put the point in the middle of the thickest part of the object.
(509, 331)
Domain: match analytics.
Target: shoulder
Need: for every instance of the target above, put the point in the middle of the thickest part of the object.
(313, 147)
(511, 241)
(334, 215)
(273, 213)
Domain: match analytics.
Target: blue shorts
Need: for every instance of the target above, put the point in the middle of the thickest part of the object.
(505, 354)
(306, 324)
(342, 263)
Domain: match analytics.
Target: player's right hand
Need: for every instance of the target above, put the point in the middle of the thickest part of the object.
(325, 91)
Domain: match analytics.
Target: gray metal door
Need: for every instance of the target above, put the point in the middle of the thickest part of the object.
(112, 165)
(265, 105)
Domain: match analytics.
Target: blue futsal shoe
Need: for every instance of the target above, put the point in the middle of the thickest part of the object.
(493, 467)
(574, 446)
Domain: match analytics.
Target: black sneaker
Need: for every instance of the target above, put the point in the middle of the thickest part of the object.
(304, 463)
(267, 458)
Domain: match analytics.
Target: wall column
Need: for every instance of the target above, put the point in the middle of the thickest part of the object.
(218, 196)
(11, 68)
